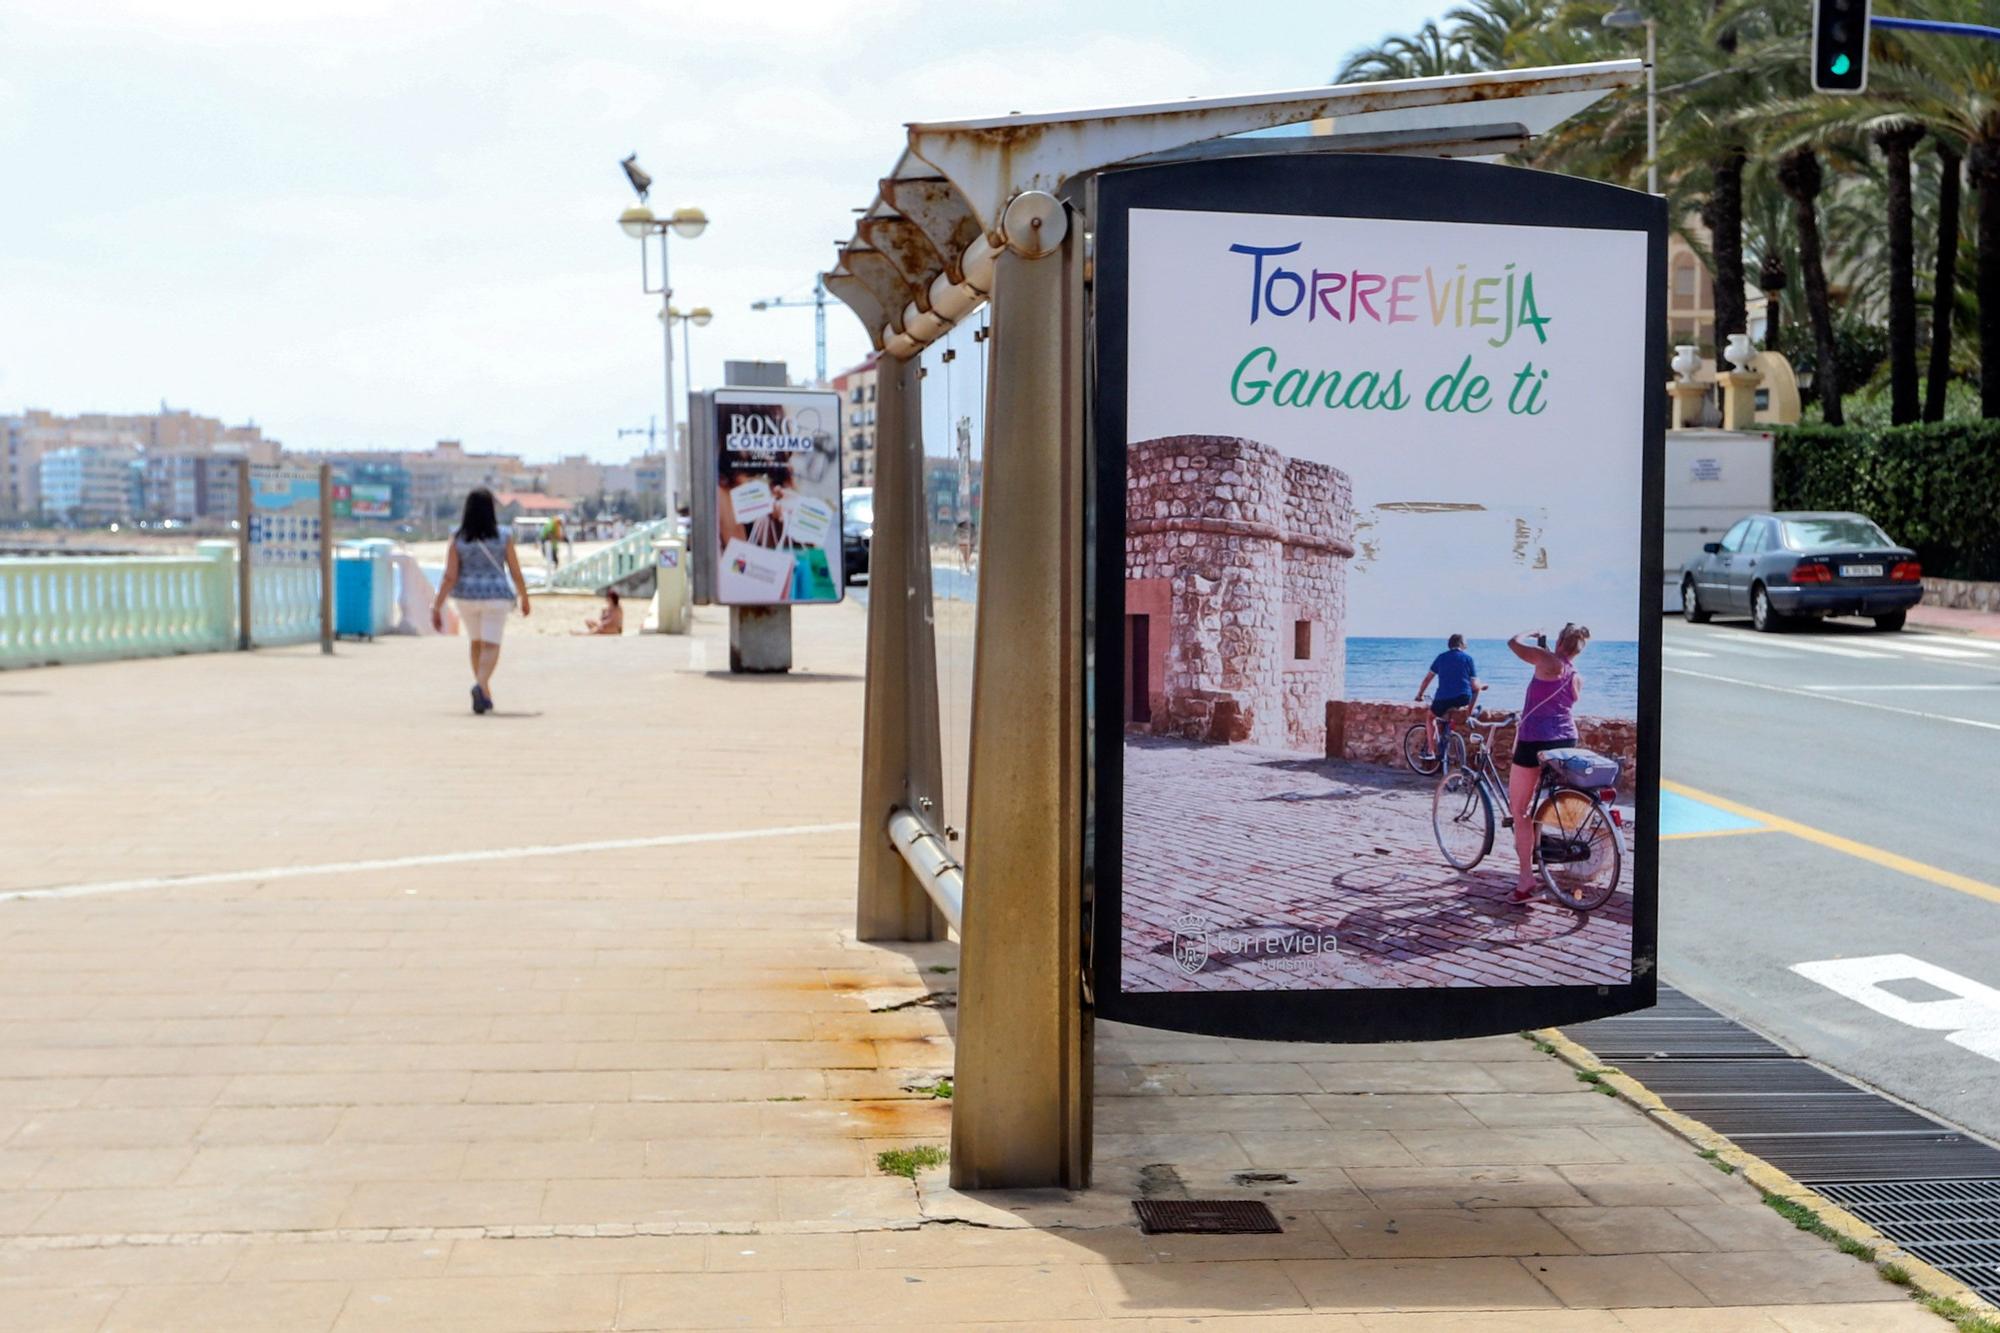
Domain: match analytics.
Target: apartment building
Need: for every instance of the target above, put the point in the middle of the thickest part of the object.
(856, 387)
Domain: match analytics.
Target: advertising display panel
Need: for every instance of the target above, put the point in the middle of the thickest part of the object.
(371, 500)
(773, 513)
(1376, 438)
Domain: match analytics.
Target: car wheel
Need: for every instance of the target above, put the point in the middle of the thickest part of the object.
(1691, 608)
(1891, 621)
(1763, 616)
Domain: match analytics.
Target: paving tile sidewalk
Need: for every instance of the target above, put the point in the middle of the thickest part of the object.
(403, 1055)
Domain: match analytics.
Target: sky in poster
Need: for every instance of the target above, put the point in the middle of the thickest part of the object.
(1485, 513)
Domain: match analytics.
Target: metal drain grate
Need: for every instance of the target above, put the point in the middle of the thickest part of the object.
(1205, 1217)
(1924, 1185)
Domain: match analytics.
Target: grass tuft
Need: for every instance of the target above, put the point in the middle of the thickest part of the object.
(1965, 1320)
(1714, 1159)
(906, 1162)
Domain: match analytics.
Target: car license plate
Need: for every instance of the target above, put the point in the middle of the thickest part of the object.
(1861, 571)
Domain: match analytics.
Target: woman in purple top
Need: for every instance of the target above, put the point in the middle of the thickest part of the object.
(1547, 723)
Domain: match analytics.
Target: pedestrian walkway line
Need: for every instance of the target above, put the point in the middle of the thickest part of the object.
(415, 862)
(1948, 879)
(1672, 651)
(1834, 698)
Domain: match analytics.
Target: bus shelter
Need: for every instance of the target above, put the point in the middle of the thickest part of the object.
(1037, 228)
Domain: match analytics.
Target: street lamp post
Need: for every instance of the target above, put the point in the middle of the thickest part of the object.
(699, 317)
(1628, 16)
(639, 222)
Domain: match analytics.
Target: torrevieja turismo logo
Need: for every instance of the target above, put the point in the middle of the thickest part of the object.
(1359, 310)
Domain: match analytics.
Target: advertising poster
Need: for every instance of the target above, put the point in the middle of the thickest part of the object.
(1373, 429)
(371, 500)
(777, 501)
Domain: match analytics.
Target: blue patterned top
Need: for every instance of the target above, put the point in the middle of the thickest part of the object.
(482, 570)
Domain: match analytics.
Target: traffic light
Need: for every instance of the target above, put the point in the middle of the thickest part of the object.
(1840, 46)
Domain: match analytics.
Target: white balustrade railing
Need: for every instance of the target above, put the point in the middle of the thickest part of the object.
(626, 556)
(90, 608)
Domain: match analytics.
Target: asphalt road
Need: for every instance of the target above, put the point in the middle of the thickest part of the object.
(1830, 863)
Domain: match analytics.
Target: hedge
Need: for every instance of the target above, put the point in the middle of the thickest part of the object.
(1935, 488)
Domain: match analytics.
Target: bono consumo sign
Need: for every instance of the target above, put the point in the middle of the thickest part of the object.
(1378, 469)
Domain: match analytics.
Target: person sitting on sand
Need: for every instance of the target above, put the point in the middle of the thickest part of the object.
(613, 619)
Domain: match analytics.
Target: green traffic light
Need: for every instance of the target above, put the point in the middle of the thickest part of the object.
(1841, 64)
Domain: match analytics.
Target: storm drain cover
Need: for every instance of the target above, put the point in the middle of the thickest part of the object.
(1205, 1217)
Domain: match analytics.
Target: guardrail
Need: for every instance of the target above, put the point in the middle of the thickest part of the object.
(624, 557)
(61, 609)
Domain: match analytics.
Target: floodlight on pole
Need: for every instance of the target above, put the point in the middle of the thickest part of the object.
(640, 223)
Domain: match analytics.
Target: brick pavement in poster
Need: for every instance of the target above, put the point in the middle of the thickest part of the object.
(1314, 874)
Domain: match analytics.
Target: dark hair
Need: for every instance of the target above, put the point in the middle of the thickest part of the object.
(611, 596)
(479, 522)
(1455, 641)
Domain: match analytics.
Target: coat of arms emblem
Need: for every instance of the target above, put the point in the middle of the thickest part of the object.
(1191, 943)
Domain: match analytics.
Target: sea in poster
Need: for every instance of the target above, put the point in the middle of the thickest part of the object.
(1389, 670)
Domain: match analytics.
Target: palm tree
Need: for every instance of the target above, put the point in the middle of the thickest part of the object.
(1952, 87)
(1724, 216)
(1429, 51)
(1896, 140)
(1944, 286)
(1799, 172)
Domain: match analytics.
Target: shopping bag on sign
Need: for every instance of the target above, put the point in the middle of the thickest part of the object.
(810, 522)
(751, 501)
(753, 574)
(812, 580)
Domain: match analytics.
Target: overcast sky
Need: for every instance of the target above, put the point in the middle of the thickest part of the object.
(374, 223)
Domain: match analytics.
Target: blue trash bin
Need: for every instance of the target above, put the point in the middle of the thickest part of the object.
(355, 583)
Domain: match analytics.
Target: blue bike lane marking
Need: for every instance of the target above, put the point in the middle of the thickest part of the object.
(1685, 817)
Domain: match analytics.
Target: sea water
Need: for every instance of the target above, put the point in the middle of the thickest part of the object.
(1391, 670)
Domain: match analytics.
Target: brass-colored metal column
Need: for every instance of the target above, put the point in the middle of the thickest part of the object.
(1021, 1108)
(901, 759)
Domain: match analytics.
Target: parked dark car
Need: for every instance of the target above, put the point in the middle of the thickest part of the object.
(857, 504)
(1778, 567)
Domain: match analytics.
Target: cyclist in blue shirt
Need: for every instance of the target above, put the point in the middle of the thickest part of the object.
(1457, 677)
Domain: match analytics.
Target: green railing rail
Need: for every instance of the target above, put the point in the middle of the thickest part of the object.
(61, 609)
(626, 556)
(93, 608)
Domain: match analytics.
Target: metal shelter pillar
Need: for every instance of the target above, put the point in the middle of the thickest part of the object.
(1021, 1105)
(901, 763)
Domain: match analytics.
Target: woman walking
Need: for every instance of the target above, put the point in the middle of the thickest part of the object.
(483, 575)
(1547, 723)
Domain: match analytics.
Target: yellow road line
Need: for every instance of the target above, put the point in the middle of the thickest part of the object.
(1715, 833)
(1948, 879)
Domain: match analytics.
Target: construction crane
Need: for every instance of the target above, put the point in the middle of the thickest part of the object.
(818, 303)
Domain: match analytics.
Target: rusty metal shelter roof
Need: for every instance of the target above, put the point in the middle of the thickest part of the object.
(921, 258)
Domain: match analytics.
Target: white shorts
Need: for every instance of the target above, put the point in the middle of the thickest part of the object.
(483, 620)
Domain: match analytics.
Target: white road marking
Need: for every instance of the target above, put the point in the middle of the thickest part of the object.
(1924, 649)
(1833, 648)
(697, 654)
(1672, 651)
(410, 862)
(1900, 687)
(1722, 646)
(1835, 699)
(1969, 1010)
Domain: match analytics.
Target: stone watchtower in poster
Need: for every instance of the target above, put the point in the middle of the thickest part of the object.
(1236, 591)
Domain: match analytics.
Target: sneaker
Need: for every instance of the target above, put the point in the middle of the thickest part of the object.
(480, 703)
